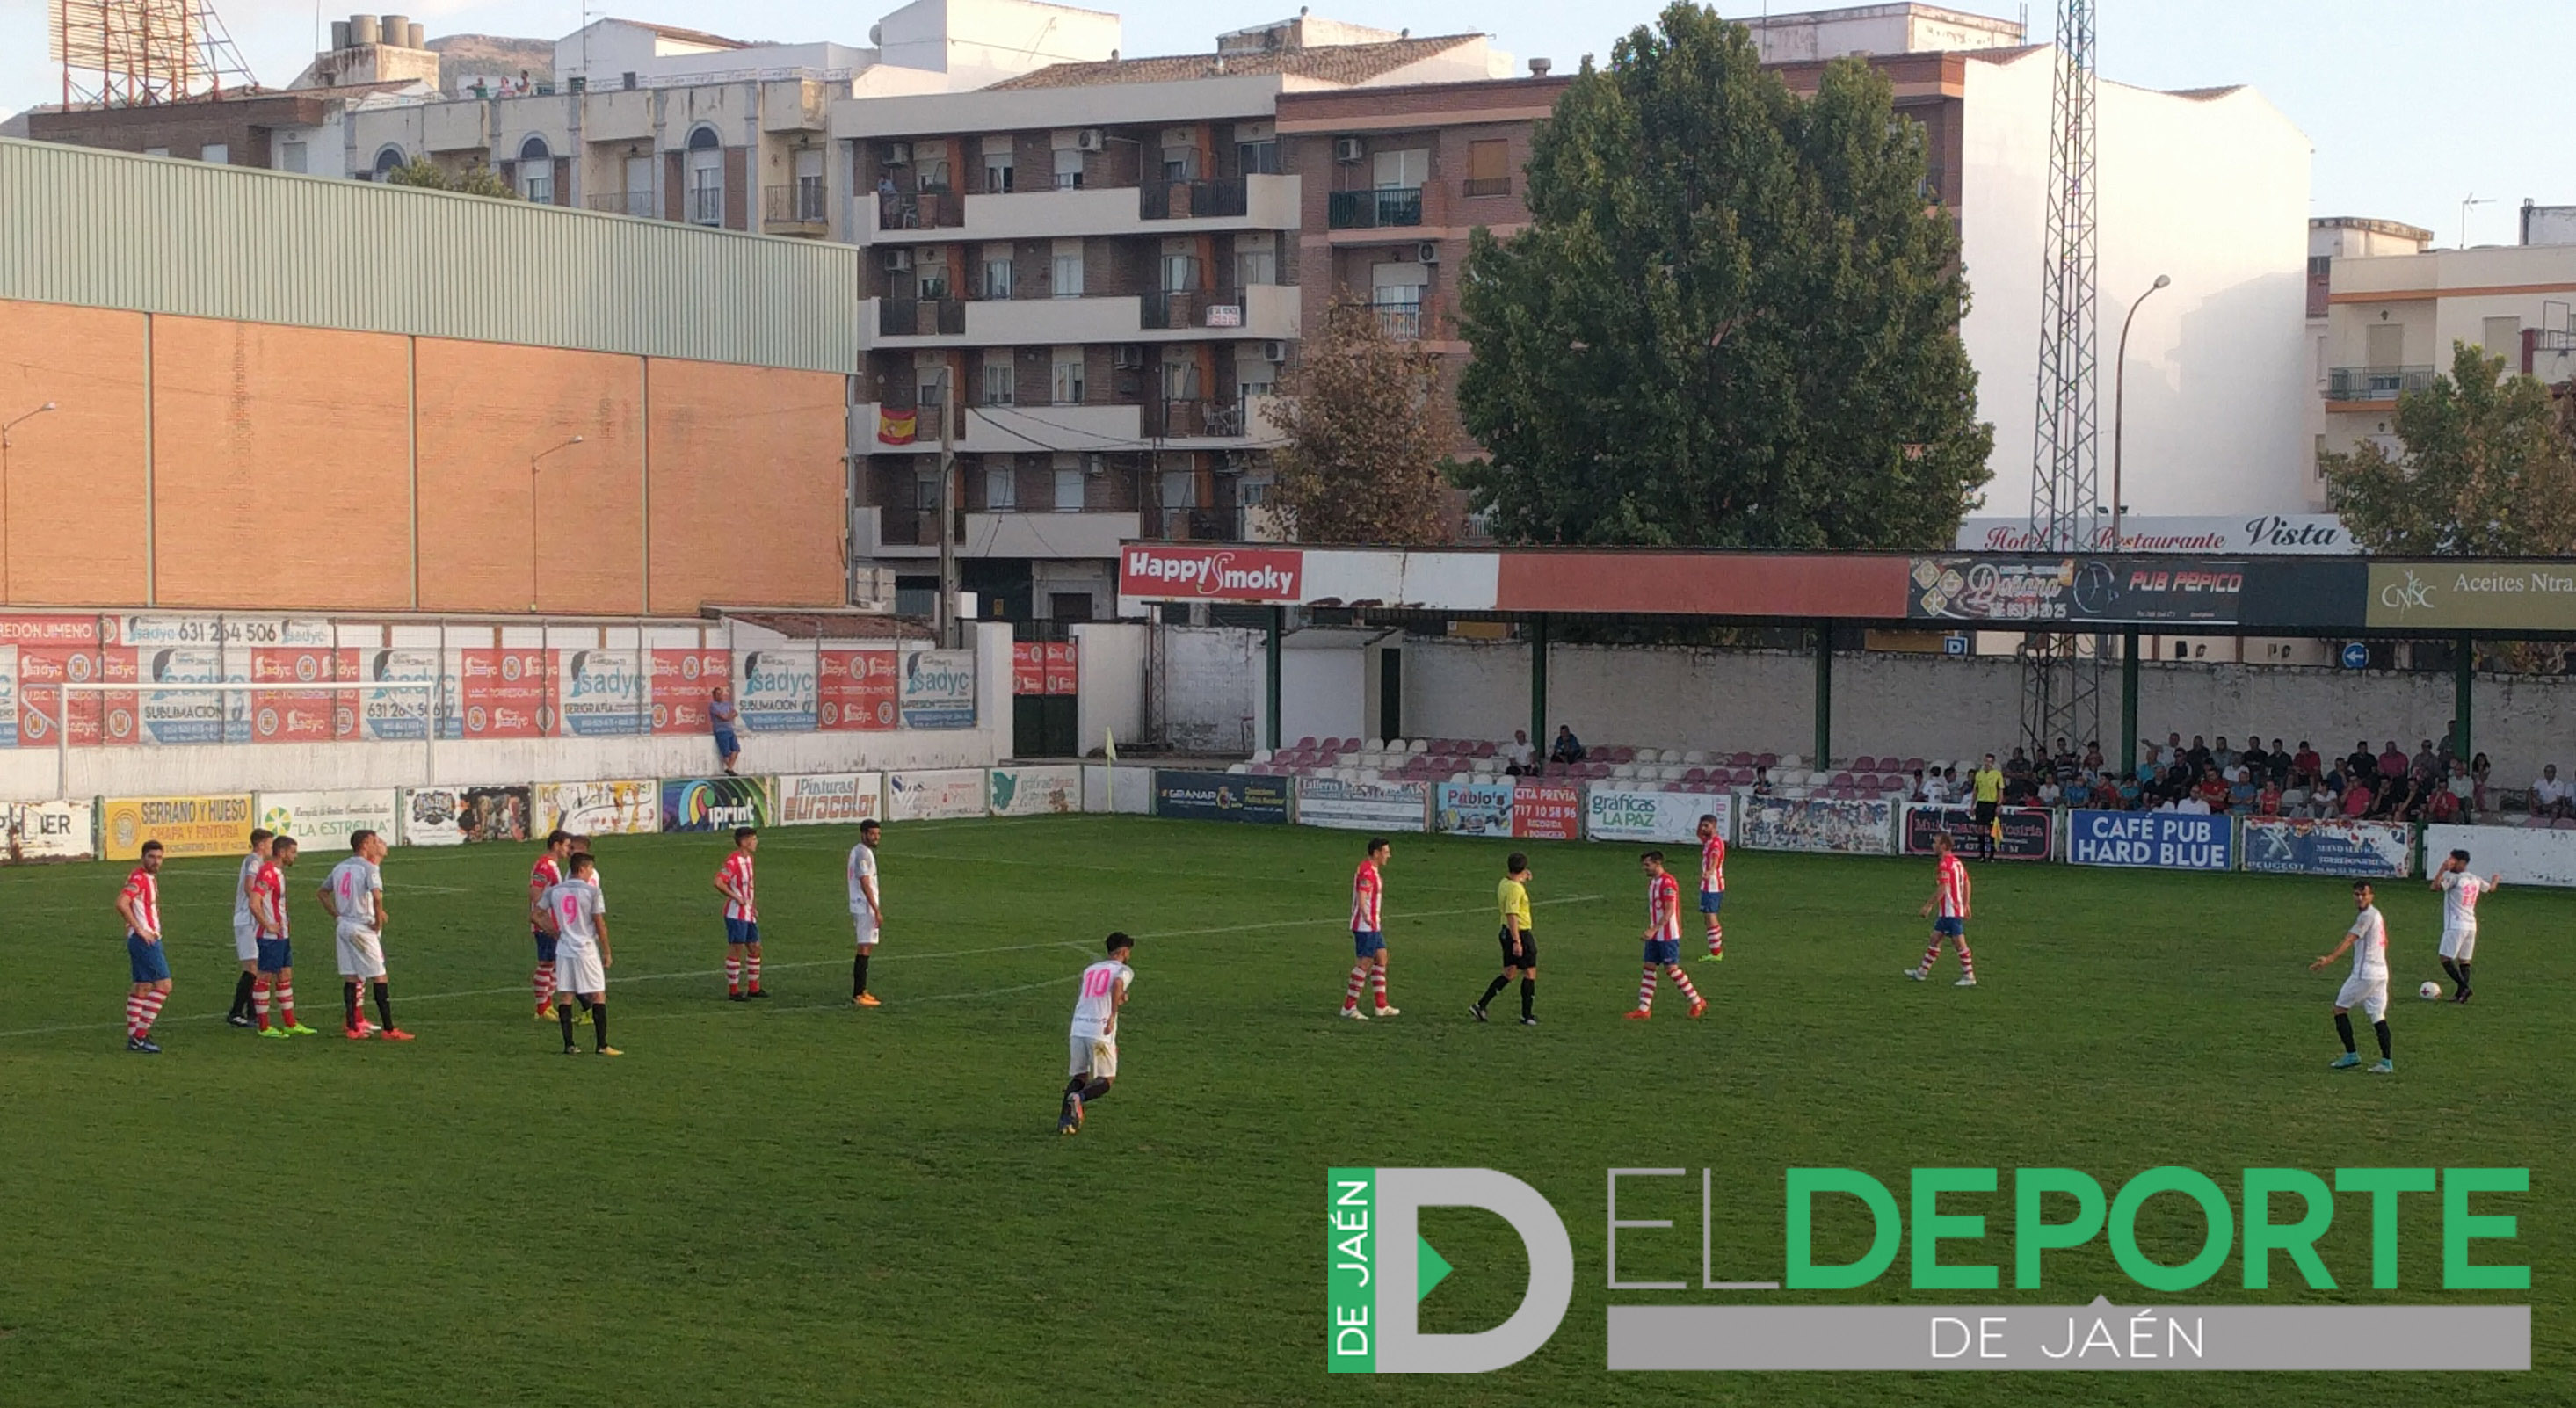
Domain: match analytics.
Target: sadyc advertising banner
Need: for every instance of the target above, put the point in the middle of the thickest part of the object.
(2364, 850)
(2151, 840)
(939, 689)
(1220, 796)
(1362, 806)
(2029, 833)
(1818, 824)
(1476, 808)
(717, 803)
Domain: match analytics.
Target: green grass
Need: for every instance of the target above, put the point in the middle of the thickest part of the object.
(797, 1202)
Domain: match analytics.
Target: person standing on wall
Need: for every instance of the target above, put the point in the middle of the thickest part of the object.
(721, 717)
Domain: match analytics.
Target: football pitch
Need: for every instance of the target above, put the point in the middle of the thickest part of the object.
(799, 1202)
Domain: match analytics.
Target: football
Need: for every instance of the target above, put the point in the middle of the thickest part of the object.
(2429, 991)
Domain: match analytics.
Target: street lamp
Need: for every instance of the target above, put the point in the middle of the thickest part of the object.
(4, 491)
(533, 540)
(2119, 404)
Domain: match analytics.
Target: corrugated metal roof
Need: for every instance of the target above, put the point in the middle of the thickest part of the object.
(107, 229)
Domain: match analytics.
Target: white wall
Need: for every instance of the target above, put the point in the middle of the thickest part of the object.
(2212, 191)
(1209, 692)
(1323, 684)
(976, 42)
(1111, 700)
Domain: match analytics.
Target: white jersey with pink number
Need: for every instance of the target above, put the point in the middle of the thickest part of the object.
(2460, 892)
(1102, 983)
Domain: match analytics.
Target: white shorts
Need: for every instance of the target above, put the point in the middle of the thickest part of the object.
(866, 925)
(2369, 994)
(2459, 944)
(246, 940)
(1094, 1056)
(578, 969)
(362, 952)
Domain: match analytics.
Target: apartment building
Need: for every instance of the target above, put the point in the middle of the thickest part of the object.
(1098, 269)
(2392, 319)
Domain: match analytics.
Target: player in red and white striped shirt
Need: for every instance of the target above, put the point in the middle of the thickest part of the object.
(547, 873)
(742, 918)
(1368, 932)
(1663, 938)
(1712, 886)
(1949, 910)
(139, 904)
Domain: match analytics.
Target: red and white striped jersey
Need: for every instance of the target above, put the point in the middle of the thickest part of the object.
(144, 889)
(736, 879)
(543, 877)
(270, 881)
(1664, 906)
(1712, 865)
(1951, 888)
(1368, 897)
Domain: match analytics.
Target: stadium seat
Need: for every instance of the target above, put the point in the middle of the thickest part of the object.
(1694, 756)
(1866, 762)
(1484, 750)
(1696, 775)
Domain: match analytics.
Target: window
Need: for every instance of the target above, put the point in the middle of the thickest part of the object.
(1001, 486)
(1180, 488)
(215, 154)
(1067, 383)
(1404, 170)
(925, 491)
(639, 186)
(1489, 171)
(706, 178)
(1180, 163)
(291, 157)
(1068, 483)
(997, 165)
(809, 186)
(536, 172)
(997, 271)
(1181, 378)
(930, 272)
(388, 161)
(1180, 273)
(1001, 381)
(1395, 287)
(1068, 168)
(1068, 269)
(2503, 338)
(1256, 259)
(1258, 158)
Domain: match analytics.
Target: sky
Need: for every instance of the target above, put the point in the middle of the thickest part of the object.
(2412, 108)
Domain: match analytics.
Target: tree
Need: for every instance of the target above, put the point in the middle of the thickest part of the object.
(430, 176)
(1732, 321)
(1361, 464)
(2489, 469)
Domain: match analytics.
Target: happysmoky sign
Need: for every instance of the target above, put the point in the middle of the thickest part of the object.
(1177, 573)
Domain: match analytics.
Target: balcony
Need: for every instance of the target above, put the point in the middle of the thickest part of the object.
(1176, 309)
(1199, 420)
(796, 209)
(1192, 200)
(2376, 383)
(636, 205)
(1072, 535)
(1373, 210)
(920, 210)
(921, 317)
(705, 205)
(1487, 186)
(1196, 525)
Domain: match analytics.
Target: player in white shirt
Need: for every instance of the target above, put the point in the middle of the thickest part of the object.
(246, 929)
(1094, 1041)
(2461, 891)
(575, 916)
(354, 892)
(867, 914)
(2367, 988)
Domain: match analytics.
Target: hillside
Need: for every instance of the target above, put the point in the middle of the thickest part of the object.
(462, 58)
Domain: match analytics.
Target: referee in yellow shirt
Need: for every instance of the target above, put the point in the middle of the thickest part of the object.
(1989, 783)
(1520, 946)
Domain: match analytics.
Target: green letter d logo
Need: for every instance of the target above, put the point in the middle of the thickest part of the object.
(1380, 1267)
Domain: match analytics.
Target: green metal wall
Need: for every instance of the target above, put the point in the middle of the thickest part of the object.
(157, 235)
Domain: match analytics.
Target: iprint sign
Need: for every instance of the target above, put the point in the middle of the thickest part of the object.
(716, 803)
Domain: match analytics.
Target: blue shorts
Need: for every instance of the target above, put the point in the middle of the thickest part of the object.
(1365, 942)
(1949, 928)
(1711, 901)
(742, 931)
(1663, 952)
(275, 955)
(726, 744)
(545, 945)
(150, 964)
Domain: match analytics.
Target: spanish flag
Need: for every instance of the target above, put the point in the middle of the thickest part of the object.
(896, 427)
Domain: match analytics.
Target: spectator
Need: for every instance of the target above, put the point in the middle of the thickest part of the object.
(2307, 768)
(2392, 761)
(2426, 761)
(2197, 756)
(2479, 772)
(2168, 754)
(2280, 763)
(2225, 757)
(2445, 805)
(721, 716)
(1761, 782)
(2048, 793)
(2257, 763)
(2550, 797)
(2092, 757)
(2212, 791)
(2018, 765)
(2400, 800)
(2461, 791)
(2241, 790)
(2268, 802)
(1567, 748)
(1951, 787)
(2294, 800)
(1517, 757)
(1927, 791)
(2130, 793)
(2356, 799)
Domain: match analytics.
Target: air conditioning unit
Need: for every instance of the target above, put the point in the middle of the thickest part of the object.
(1274, 351)
(898, 261)
(1095, 464)
(1090, 139)
(1426, 252)
(1127, 357)
(1347, 150)
(898, 154)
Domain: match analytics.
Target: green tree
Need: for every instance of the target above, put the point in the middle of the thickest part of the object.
(1733, 320)
(1364, 438)
(2488, 469)
(473, 181)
